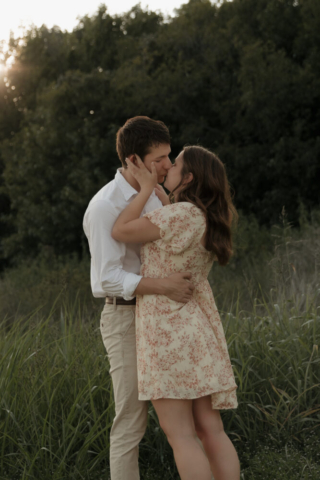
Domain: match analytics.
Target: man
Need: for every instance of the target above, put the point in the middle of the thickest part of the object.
(115, 275)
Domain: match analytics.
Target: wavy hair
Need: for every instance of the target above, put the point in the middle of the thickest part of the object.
(209, 190)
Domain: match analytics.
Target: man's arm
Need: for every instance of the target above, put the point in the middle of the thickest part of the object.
(107, 256)
(177, 287)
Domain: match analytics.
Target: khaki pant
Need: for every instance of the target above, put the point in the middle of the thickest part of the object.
(117, 326)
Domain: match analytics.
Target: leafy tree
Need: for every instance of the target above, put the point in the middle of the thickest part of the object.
(53, 170)
(240, 77)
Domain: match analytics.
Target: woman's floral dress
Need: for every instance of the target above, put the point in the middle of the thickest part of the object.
(181, 348)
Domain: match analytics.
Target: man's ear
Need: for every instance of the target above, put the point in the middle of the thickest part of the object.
(132, 158)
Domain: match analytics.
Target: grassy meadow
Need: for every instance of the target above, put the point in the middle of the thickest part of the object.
(55, 390)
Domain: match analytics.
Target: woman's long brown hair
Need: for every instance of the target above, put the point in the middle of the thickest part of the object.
(209, 190)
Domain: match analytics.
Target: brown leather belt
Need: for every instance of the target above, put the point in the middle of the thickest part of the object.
(120, 301)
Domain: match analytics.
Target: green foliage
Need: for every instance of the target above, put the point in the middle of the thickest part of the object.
(45, 284)
(270, 462)
(240, 77)
(53, 171)
(46, 424)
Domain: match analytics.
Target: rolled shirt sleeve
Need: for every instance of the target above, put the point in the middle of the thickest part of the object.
(108, 278)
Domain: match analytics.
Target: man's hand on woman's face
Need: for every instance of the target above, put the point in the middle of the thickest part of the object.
(145, 178)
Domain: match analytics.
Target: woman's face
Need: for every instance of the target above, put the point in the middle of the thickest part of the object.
(174, 174)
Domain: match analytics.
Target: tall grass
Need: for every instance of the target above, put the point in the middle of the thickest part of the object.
(56, 403)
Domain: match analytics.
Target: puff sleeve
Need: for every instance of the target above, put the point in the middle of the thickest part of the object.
(181, 226)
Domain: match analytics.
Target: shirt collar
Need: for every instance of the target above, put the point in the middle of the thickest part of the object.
(126, 188)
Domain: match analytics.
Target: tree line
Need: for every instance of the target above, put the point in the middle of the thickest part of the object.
(240, 77)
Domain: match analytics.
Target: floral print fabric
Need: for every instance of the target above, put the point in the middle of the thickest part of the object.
(181, 348)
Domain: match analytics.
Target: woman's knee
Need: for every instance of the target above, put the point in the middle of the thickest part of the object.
(176, 432)
(208, 423)
(178, 439)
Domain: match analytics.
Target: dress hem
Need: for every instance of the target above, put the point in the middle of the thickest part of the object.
(193, 397)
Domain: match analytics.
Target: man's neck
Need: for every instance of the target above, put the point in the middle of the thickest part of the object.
(130, 179)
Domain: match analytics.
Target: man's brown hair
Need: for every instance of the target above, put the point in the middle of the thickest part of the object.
(138, 135)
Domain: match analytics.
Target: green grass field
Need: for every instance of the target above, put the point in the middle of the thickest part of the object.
(56, 394)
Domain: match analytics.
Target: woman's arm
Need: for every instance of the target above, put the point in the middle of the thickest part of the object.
(129, 227)
(140, 230)
(161, 194)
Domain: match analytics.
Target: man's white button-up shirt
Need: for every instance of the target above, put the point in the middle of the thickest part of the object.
(115, 266)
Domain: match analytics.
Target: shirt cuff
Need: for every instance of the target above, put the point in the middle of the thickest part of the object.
(130, 283)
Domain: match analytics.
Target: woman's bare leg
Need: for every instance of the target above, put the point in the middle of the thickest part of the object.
(176, 420)
(220, 451)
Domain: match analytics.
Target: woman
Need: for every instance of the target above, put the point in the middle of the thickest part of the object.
(183, 363)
